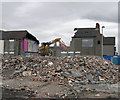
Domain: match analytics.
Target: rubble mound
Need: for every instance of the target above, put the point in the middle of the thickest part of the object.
(64, 70)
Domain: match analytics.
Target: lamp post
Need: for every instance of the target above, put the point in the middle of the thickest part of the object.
(102, 39)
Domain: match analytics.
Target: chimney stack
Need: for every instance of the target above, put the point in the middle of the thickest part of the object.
(97, 26)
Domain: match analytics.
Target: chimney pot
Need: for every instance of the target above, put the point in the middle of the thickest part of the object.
(97, 26)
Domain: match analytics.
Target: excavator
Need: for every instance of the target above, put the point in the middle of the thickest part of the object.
(44, 49)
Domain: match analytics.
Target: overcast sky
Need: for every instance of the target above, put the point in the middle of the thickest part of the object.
(48, 21)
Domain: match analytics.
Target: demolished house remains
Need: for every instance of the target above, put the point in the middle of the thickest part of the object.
(18, 43)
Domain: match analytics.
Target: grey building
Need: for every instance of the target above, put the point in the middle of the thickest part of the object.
(18, 43)
(87, 40)
(109, 46)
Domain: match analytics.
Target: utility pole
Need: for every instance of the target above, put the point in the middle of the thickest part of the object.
(102, 39)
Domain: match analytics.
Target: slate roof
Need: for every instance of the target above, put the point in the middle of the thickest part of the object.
(6, 35)
(86, 32)
(92, 32)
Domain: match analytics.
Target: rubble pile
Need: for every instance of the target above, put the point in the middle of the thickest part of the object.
(71, 71)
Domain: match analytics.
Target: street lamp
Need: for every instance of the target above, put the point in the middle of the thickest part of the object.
(102, 39)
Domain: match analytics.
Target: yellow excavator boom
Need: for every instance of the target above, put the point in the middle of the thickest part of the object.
(57, 39)
(44, 47)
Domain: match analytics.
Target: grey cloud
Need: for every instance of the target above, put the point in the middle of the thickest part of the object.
(48, 20)
(107, 12)
(55, 13)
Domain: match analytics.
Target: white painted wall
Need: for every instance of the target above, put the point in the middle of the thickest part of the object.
(29, 45)
(1, 46)
(32, 46)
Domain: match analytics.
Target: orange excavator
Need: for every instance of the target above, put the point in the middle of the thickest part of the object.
(44, 49)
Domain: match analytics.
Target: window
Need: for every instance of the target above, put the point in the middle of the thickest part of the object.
(98, 42)
(87, 42)
(5, 53)
(11, 45)
(11, 53)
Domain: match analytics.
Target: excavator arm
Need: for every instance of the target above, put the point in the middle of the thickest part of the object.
(56, 40)
(63, 45)
(44, 48)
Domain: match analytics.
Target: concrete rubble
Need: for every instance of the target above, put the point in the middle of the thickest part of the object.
(71, 72)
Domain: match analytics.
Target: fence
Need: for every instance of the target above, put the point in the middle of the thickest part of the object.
(70, 53)
(114, 59)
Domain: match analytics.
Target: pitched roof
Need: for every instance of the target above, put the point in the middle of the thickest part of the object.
(86, 32)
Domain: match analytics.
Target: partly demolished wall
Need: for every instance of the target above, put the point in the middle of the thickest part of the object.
(19, 43)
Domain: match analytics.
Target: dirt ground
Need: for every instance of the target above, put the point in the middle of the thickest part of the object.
(25, 88)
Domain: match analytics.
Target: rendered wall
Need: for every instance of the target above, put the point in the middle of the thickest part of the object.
(1, 46)
(76, 45)
(108, 50)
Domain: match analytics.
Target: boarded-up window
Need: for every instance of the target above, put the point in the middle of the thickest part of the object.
(25, 45)
(87, 42)
(11, 45)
